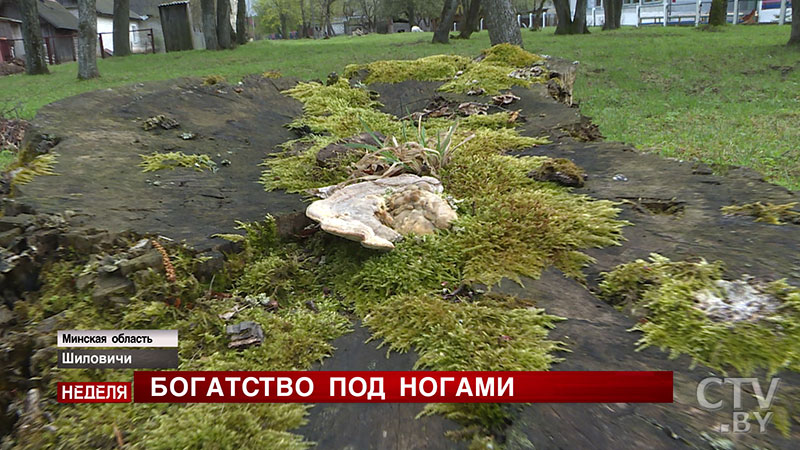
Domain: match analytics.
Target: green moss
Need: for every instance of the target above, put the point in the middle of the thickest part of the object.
(297, 170)
(429, 68)
(211, 80)
(296, 337)
(510, 55)
(464, 336)
(40, 165)
(172, 160)
(462, 74)
(492, 78)
(769, 213)
(666, 292)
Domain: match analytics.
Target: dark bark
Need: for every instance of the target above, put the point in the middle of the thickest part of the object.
(501, 21)
(719, 12)
(224, 24)
(538, 10)
(794, 37)
(122, 25)
(87, 40)
(471, 20)
(241, 22)
(568, 25)
(208, 10)
(284, 21)
(35, 58)
(328, 24)
(442, 33)
(411, 12)
(612, 10)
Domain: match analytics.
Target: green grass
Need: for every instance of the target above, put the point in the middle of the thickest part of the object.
(6, 158)
(730, 97)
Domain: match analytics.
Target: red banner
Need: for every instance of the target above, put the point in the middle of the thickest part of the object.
(402, 387)
(94, 392)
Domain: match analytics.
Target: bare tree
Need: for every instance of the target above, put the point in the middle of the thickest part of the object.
(122, 25)
(326, 9)
(794, 37)
(502, 22)
(87, 40)
(224, 29)
(35, 62)
(566, 23)
(209, 24)
(370, 10)
(442, 33)
(612, 12)
(469, 24)
(241, 21)
(718, 15)
(538, 10)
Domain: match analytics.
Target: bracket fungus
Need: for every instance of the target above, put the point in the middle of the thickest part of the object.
(378, 212)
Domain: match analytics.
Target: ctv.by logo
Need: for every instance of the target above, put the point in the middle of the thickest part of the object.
(740, 421)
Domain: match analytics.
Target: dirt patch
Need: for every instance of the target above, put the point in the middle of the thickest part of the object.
(99, 173)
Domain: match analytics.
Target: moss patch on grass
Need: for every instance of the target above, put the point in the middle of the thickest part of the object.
(667, 294)
(510, 55)
(172, 160)
(429, 68)
(766, 212)
(491, 73)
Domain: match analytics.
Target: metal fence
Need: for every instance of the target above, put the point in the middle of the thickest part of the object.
(671, 12)
(60, 49)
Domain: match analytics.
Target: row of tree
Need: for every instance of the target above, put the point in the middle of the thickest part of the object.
(217, 32)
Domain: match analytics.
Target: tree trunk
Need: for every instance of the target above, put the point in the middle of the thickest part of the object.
(612, 11)
(719, 12)
(224, 24)
(284, 21)
(209, 24)
(304, 26)
(538, 10)
(122, 25)
(794, 37)
(566, 23)
(442, 33)
(241, 22)
(470, 23)
(35, 60)
(328, 24)
(87, 40)
(411, 12)
(502, 22)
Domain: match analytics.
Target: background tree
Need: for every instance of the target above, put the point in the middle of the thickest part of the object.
(224, 29)
(538, 10)
(241, 22)
(326, 7)
(794, 37)
(278, 16)
(718, 15)
(612, 11)
(471, 20)
(566, 23)
(502, 23)
(442, 33)
(209, 24)
(35, 62)
(122, 25)
(370, 8)
(87, 40)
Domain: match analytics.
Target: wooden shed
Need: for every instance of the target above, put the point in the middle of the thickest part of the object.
(176, 24)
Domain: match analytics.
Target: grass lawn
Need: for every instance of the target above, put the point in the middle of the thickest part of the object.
(729, 97)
